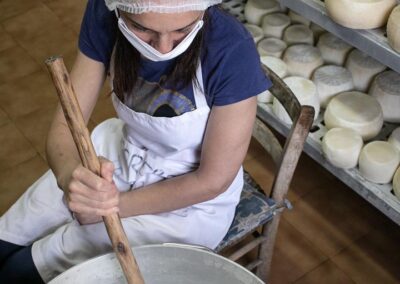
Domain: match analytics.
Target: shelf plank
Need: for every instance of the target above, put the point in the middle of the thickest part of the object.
(378, 195)
(372, 42)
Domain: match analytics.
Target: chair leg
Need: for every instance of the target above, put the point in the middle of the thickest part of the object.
(266, 249)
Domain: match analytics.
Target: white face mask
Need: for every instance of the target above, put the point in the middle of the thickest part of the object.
(154, 55)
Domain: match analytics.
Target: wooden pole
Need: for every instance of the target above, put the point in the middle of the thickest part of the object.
(80, 134)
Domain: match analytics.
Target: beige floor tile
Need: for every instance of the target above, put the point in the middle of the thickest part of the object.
(103, 110)
(11, 8)
(35, 125)
(54, 42)
(3, 118)
(27, 94)
(262, 170)
(326, 273)
(16, 180)
(70, 12)
(294, 256)
(374, 258)
(15, 148)
(15, 63)
(33, 23)
(332, 217)
(6, 40)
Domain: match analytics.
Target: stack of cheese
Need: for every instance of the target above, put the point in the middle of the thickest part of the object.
(304, 90)
(279, 68)
(331, 80)
(360, 14)
(393, 29)
(254, 10)
(386, 89)
(302, 59)
(357, 111)
(363, 69)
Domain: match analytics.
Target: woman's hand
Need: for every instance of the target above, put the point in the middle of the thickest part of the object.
(90, 196)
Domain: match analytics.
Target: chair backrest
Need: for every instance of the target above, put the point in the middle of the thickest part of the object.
(286, 160)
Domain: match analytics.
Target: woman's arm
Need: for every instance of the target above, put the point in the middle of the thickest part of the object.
(87, 78)
(225, 145)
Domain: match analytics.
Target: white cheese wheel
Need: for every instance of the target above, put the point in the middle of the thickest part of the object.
(378, 161)
(317, 31)
(342, 147)
(274, 24)
(255, 31)
(298, 19)
(360, 14)
(396, 183)
(271, 47)
(394, 139)
(304, 90)
(386, 89)
(363, 68)
(296, 34)
(279, 68)
(393, 29)
(333, 49)
(302, 59)
(357, 111)
(331, 80)
(254, 10)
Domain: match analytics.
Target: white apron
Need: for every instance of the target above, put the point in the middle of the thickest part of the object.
(145, 150)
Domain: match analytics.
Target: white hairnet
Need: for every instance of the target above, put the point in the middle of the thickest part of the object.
(160, 6)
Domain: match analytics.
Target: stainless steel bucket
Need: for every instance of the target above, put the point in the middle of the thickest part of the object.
(162, 264)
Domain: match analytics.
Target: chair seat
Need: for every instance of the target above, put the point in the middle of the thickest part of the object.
(254, 209)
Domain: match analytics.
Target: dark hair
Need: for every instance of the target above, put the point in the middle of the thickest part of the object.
(127, 63)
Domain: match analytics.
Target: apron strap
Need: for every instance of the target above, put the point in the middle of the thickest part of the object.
(198, 89)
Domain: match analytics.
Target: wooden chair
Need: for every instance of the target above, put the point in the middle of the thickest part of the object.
(256, 210)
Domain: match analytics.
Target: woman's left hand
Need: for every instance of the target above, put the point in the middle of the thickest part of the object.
(89, 202)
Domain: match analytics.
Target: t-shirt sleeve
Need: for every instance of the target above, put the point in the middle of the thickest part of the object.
(240, 75)
(98, 30)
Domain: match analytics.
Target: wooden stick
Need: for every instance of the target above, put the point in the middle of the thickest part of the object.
(80, 133)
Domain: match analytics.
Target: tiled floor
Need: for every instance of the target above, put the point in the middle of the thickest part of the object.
(331, 236)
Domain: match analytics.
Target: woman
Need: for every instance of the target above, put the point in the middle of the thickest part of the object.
(185, 77)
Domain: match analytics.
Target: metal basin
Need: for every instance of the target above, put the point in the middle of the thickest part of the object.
(162, 264)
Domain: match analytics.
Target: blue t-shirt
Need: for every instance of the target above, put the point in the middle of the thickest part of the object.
(230, 63)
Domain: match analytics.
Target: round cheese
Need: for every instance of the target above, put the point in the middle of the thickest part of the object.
(279, 68)
(333, 49)
(296, 34)
(393, 29)
(394, 139)
(302, 59)
(254, 10)
(331, 80)
(271, 47)
(378, 162)
(255, 31)
(363, 68)
(298, 19)
(360, 14)
(304, 90)
(357, 111)
(274, 24)
(342, 147)
(396, 183)
(386, 89)
(317, 30)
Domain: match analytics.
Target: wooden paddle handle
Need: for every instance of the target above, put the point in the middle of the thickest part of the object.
(80, 133)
